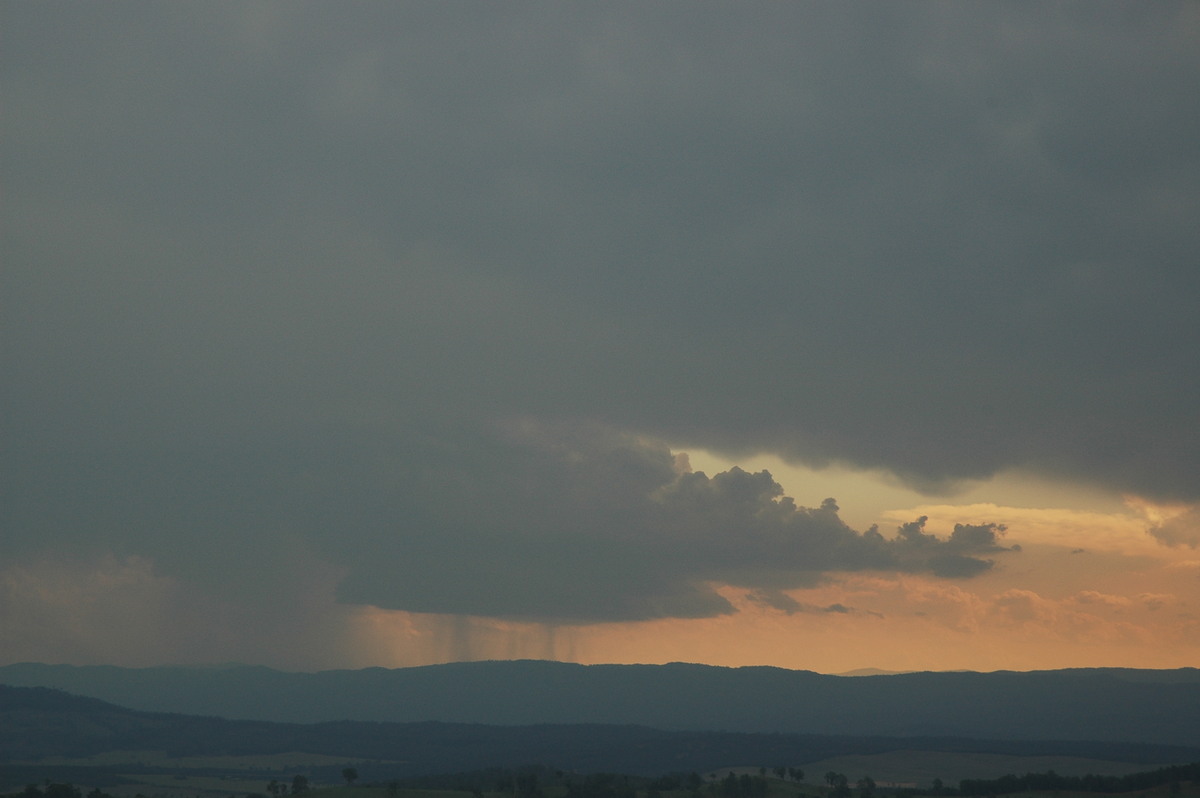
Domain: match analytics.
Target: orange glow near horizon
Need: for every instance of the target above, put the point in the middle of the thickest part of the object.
(1115, 584)
(1090, 586)
(924, 624)
(1018, 619)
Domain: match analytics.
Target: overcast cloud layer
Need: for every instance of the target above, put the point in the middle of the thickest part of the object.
(436, 292)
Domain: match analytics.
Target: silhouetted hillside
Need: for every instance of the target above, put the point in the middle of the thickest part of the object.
(1095, 704)
(37, 723)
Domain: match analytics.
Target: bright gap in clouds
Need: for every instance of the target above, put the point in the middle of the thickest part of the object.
(871, 497)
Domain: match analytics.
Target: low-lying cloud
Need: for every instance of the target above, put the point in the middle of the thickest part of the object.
(602, 526)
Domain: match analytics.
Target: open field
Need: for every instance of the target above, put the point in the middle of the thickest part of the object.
(154, 773)
(129, 773)
(922, 767)
(1186, 790)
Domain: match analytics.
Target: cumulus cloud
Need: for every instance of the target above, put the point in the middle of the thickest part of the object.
(1087, 617)
(1075, 530)
(1155, 601)
(952, 557)
(1182, 529)
(600, 525)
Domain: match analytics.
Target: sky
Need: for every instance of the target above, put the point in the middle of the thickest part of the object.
(819, 335)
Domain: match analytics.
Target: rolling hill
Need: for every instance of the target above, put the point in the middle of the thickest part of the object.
(1110, 705)
(50, 734)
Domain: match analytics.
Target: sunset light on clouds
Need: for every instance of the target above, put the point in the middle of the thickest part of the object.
(824, 336)
(1086, 587)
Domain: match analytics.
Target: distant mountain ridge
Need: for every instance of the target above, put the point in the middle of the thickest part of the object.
(38, 723)
(1105, 704)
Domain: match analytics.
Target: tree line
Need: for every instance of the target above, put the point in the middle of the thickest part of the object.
(1172, 775)
(538, 781)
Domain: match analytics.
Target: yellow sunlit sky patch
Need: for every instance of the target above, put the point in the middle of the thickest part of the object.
(872, 497)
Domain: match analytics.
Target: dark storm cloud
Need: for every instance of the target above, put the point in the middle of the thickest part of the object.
(292, 274)
(598, 526)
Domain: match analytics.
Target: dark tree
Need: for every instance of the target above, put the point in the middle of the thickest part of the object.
(349, 774)
(299, 784)
(56, 790)
(839, 783)
(526, 784)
